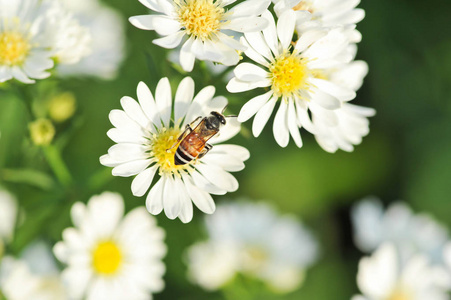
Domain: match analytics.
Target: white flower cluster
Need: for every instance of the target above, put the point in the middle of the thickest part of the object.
(37, 35)
(251, 239)
(409, 253)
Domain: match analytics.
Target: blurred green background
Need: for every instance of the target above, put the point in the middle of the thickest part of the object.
(407, 155)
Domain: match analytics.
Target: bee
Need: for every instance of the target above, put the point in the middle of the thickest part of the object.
(193, 142)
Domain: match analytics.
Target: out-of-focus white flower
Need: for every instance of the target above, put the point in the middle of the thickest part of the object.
(328, 13)
(447, 256)
(411, 233)
(252, 239)
(107, 44)
(32, 33)
(384, 277)
(146, 143)
(34, 276)
(8, 215)
(307, 78)
(110, 256)
(207, 24)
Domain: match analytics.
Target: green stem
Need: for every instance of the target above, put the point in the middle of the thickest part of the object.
(57, 165)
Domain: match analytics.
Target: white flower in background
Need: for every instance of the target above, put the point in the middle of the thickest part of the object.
(32, 33)
(34, 276)
(447, 256)
(304, 78)
(252, 239)
(144, 132)
(110, 256)
(107, 45)
(8, 216)
(383, 277)
(411, 233)
(207, 24)
(346, 126)
(328, 13)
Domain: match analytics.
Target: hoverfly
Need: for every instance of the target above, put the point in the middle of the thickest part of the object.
(193, 142)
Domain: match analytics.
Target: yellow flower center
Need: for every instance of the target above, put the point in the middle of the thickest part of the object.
(304, 5)
(42, 132)
(200, 18)
(13, 48)
(106, 258)
(399, 295)
(289, 74)
(163, 149)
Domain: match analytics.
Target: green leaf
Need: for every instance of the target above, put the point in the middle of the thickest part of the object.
(28, 176)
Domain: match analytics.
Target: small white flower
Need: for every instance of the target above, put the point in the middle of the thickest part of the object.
(252, 239)
(34, 276)
(144, 134)
(303, 77)
(108, 46)
(110, 256)
(32, 33)
(207, 24)
(327, 13)
(384, 277)
(8, 216)
(411, 233)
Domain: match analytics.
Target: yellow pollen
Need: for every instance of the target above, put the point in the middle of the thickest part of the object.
(200, 18)
(160, 149)
(106, 258)
(13, 48)
(288, 74)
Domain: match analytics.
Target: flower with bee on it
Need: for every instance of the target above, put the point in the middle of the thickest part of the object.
(146, 134)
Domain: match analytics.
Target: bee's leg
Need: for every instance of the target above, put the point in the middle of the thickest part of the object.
(205, 150)
(187, 127)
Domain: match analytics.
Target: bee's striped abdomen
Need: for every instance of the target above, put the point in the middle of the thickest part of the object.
(182, 156)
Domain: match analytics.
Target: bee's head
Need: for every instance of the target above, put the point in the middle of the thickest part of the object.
(215, 120)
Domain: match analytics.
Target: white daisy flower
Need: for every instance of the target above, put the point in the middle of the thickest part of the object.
(34, 276)
(298, 76)
(110, 256)
(344, 127)
(327, 13)
(252, 239)
(31, 34)
(411, 233)
(8, 215)
(108, 47)
(383, 277)
(146, 145)
(207, 24)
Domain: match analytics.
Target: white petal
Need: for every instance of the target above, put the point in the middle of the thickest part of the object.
(142, 181)
(249, 7)
(154, 200)
(183, 98)
(163, 97)
(262, 116)
(270, 33)
(171, 41)
(144, 22)
(250, 72)
(201, 182)
(218, 177)
(121, 136)
(199, 102)
(234, 150)
(147, 103)
(235, 85)
(226, 162)
(186, 56)
(152, 4)
(127, 152)
(134, 111)
(131, 168)
(258, 43)
(308, 38)
(252, 54)
(285, 27)
(280, 126)
(325, 100)
(247, 24)
(342, 93)
(186, 212)
(292, 126)
(122, 121)
(201, 199)
(165, 25)
(172, 203)
(252, 106)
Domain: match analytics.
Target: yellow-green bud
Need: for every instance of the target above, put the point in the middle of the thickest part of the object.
(62, 107)
(42, 132)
